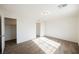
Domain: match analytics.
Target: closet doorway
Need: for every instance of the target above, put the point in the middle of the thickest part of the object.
(10, 31)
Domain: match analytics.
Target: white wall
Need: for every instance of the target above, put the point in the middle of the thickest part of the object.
(26, 29)
(10, 32)
(26, 15)
(64, 28)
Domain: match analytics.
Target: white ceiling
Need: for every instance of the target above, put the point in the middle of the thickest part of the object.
(37, 9)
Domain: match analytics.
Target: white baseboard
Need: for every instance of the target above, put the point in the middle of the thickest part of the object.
(63, 39)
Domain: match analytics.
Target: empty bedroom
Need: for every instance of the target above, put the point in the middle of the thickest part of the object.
(39, 28)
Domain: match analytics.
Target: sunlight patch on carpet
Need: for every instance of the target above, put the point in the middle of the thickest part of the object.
(47, 45)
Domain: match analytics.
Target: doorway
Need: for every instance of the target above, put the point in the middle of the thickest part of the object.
(10, 31)
(38, 30)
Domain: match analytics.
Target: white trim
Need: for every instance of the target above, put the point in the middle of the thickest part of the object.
(2, 30)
